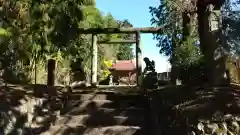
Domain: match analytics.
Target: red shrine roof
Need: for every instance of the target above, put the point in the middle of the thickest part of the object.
(124, 65)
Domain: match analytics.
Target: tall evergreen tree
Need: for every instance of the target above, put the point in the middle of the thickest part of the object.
(40, 30)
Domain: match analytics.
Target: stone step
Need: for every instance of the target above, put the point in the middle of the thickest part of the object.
(82, 130)
(87, 104)
(110, 112)
(88, 96)
(104, 96)
(130, 111)
(122, 104)
(99, 119)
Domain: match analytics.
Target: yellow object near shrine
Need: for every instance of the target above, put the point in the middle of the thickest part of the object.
(107, 64)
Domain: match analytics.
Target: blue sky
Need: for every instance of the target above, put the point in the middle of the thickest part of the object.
(137, 12)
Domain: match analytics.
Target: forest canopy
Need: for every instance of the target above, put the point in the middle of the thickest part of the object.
(33, 31)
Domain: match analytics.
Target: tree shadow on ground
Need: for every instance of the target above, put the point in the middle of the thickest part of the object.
(20, 108)
(37, 109)
(180, 107)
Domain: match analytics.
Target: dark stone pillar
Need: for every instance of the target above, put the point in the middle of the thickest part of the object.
(51, 72)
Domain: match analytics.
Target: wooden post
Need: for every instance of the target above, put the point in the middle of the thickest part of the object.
(35, 67)
(94, 60)
(138, 59)
(51, 72)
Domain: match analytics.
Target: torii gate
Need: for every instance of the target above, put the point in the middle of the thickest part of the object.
(94, 32)
(136, 31)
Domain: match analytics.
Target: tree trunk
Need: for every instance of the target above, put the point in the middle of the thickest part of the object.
(209, 34)
(186, 17)
(174, 70)
(186, 25)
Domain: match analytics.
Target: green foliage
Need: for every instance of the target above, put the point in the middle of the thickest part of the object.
(169, 14)
(231, 26)
(4, 32)
(125, 50)
(39, 30)
(178, 39)
(166, 14)
(187, 53)
(192, 73)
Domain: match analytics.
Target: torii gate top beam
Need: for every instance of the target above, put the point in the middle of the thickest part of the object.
(119, 30)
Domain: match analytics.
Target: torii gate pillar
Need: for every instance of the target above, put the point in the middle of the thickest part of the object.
(138, 59)
(94, 60)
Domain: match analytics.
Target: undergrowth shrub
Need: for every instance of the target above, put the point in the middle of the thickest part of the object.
(192, 73)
